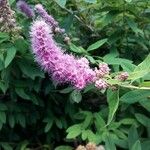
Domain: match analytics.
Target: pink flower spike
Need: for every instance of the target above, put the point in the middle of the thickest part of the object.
(63, 68)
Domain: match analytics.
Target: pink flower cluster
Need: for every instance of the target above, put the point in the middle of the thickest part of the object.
(64, 68)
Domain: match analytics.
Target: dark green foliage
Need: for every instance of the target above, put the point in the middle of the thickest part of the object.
(37, 114)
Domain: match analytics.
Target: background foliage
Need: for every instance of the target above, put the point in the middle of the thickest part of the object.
(36, 114)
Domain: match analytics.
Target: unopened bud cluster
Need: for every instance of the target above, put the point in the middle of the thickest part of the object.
(123, 76)
(101, 72)
(90, 146)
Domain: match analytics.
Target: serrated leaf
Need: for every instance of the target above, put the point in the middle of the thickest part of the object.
(97, 44)
(113, 103)
(11, 52)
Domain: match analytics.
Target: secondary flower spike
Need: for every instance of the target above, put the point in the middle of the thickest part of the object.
(48, 18)
(25, 8)
(63, 68)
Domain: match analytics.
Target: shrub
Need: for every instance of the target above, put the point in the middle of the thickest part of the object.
(38, 113)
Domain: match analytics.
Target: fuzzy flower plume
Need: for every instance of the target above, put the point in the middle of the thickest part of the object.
(7, 20)
(48, 18)
(25, 8)
(63, 68)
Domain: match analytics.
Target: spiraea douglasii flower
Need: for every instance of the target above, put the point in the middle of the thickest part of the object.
(64, 68)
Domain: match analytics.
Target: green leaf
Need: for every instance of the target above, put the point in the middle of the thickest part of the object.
(20, 92)
(145, 145)
(84, 134)
(97, 44)
(141, 70)
(146, 104)
(4, 37)
(128, 121)
(76, 49)
(91, 136)
(61, 3)
(136, 146)
(64, 148)
(76, 96)
(48, 125)
(6, 146)
(21, 120)
(99, 121)
(113, 103)
(74, 131)
(134, 26)
(11, 120)
(66, 90)
(2, 116)
(3, 86)
(88, 120)
(132, 136)
(129, 1)
(135, 96)
(91, 1)
(143, 119)
(109, 143)
(11, 52)
(30, 70)
(3, 107)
